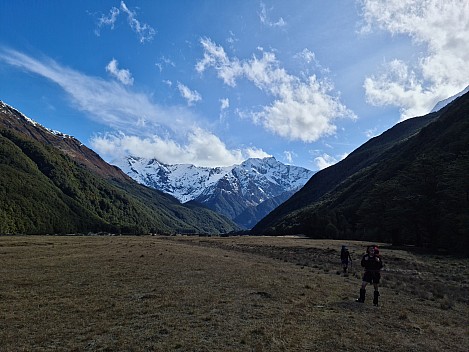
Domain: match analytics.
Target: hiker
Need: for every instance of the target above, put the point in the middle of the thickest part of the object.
(344, 258)
(372, 263)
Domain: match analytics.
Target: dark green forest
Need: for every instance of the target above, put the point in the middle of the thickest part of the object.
(411, 189)
(44, 191)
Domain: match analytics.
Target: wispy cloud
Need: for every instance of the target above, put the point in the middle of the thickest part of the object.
(224, 103)
(441, 28)
(123, 76)
(303, 108)
(170, 133)
(108, 102)
(289, 155)
(264, 18)
(370, 133)
(107, 20)
(309, 58)
(164, 61)
(306, 55)
(144, 31)
(191, 96)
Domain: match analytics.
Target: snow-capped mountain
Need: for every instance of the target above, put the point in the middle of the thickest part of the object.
(441, 104)
(228, 190)
(17, 121)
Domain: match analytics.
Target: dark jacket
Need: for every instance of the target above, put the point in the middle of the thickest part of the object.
(345, 255)
(370, 263)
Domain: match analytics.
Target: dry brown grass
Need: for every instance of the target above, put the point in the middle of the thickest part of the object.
(222, 294)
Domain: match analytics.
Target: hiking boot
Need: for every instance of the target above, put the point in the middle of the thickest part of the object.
(375, 298)
(361, 299)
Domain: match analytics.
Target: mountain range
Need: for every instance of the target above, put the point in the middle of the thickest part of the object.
(52, 183)
(409, 185)
(244, 193)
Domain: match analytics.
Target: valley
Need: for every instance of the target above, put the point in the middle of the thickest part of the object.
(182, 293)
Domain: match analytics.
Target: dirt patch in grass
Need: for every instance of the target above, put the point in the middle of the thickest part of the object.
(222, 294)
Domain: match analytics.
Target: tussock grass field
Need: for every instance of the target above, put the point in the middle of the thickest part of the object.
(151, 293)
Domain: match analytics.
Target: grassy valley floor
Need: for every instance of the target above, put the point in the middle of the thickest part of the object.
(150, 293)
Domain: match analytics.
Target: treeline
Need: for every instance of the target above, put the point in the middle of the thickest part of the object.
(426, 205)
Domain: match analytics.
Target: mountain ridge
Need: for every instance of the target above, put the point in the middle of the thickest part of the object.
(74, 190)
(228, 190)
(441, 104)
(406, 186)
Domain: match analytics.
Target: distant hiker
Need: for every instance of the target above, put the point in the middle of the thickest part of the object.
(344, 258)
(372, 263)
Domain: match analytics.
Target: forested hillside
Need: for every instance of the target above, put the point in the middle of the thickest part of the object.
(43, 190)
(407, 186)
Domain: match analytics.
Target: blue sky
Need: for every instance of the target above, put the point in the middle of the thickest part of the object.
(212, 83)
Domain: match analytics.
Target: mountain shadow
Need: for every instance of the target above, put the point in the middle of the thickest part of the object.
(409, 185)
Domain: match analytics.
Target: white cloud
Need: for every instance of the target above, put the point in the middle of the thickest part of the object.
(370, 133)
(191, 96)
(325, 161)
(145, 122)
(124, 76)
(215, 56)
(303, 109)
(164, 61)
(307, 55)
(224, 103)
(442, 28)
(309, 58)
(289, 155)
(107, 102)
(107, 21)
(264, 17)
(256, 153)
(231, 40)
(201, 149)
(144, 31)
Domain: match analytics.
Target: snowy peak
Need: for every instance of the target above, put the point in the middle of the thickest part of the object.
(228, 190)
(187, 182)
(183, 181)
(12, 113)
(286, 176)
(440, 105)
(14, 120)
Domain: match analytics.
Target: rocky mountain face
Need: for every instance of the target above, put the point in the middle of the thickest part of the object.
(14, 120)
(244, 193)
(52, 183)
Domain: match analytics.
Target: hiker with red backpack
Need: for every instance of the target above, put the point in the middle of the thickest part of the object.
(372, 262)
